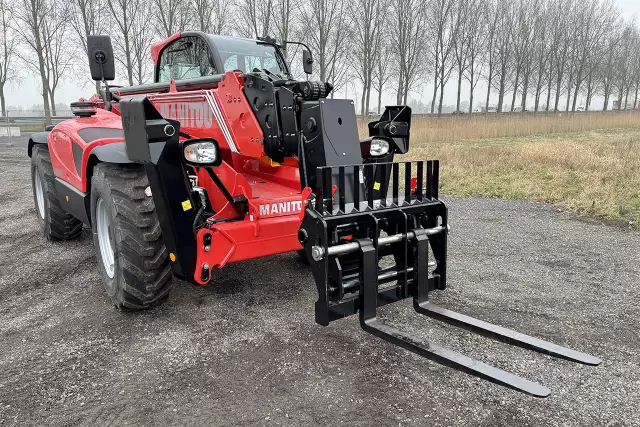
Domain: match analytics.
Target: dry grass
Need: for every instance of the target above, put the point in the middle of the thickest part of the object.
(479, 126)
(596, 172)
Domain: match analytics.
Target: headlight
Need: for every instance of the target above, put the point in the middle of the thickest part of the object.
(202, 152)
(379, 147)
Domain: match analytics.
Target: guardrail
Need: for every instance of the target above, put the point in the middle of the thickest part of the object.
(32, 117)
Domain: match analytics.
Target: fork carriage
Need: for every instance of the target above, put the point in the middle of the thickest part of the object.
(346, 240)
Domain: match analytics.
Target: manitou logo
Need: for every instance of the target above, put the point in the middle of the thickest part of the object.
(189, 114)
(280, 208)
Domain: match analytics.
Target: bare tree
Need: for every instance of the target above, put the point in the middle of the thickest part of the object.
(213, 15)
(607, 71)
(366, 18)
(170, 16)
(624, 65)
(563, 48)
(8, 46)
(477, 41)
(283, 21)
(541, 53)
(339, 71)
(526, 13)
(141, 39)
(444, 18)
(408, 44)
(255, 17)
(636, 71)
(492, 18)
(503, 48)
(125, 14)
(462, 43)
(326, 33)
(594, 18)
(88, 18)
(31, 16)
(58, 54)
(382, 70)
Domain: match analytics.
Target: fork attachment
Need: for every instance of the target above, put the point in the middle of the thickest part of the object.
(346, 237)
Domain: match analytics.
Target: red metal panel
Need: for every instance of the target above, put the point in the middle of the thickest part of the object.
(157, 47)
(238, 114)
(242, 240)
(66, 133)
(61, 152)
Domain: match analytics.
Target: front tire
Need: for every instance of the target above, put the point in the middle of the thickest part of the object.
(131, 253)
(55, 222)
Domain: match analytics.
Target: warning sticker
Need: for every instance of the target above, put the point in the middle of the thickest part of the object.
(376, 185)
(186, 205)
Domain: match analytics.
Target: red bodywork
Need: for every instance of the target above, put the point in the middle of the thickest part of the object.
(276, 202)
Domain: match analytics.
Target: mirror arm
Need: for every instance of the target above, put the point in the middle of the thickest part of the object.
(107, 92)
(286, 42)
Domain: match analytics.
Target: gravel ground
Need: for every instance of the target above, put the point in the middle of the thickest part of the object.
(246, 351)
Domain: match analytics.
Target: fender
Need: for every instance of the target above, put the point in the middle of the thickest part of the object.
(37, 138)
(75, 201)
(114, 152)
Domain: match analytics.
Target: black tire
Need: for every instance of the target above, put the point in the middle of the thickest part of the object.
(55, 222)
(141, 275)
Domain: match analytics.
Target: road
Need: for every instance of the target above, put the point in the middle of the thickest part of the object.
(246, 351)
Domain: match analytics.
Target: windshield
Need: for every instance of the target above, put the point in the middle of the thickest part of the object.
(248, 55)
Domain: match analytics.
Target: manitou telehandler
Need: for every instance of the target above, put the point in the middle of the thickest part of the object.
(227, 157)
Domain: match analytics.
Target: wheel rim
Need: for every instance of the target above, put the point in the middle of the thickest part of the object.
(39, 194)
(103, 229)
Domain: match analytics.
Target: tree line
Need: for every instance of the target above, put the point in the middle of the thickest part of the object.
(545, 53)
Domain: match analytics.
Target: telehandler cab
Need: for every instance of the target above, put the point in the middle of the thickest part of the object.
(227, 157)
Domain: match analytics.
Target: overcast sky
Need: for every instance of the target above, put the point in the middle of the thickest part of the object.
(26, 93)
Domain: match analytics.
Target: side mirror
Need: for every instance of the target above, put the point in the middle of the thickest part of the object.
(307, 61)
(100, 53)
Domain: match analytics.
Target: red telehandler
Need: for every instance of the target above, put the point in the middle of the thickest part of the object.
(227, 157)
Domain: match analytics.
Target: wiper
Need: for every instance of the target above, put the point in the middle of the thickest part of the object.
(182, 48)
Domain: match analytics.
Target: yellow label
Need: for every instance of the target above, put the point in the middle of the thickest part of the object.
(186, 205)
(267, 160)
(376, 185)
(172, 257)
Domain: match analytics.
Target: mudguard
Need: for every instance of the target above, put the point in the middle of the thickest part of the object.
(111, 153)
(37, 138)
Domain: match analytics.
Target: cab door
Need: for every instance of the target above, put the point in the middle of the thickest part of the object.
(185, 58)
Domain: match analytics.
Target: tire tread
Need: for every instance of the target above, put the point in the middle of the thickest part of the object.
(143, 254)
(62, 225)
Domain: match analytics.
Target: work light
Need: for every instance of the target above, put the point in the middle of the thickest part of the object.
(202, 152)
(379, 147)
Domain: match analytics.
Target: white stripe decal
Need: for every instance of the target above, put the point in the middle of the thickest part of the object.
(213, 103)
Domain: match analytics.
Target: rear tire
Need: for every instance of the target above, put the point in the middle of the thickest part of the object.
(131, 253)
(55, 222)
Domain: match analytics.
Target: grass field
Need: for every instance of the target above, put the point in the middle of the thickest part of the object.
(450, 128)
(27, 128)
(585, 162)
(595, 172)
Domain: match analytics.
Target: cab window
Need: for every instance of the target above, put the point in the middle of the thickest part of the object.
(186, 58)
(248, 55)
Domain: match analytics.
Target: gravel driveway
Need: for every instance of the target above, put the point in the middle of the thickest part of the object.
(246, 351)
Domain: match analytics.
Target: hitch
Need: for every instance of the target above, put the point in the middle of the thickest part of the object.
(345, 242)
